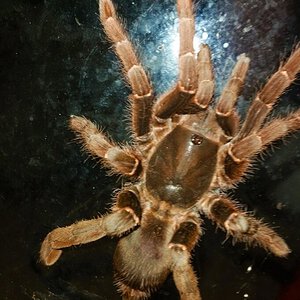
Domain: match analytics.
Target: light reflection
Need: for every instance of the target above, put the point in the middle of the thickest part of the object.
(157, 31)
(225, 45)
(174, 45)
(204, 36)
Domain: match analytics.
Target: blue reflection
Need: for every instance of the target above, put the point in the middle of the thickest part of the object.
(155, 32)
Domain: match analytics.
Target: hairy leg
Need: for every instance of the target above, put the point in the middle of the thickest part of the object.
(183, 241)
(275, 130)
(226, 114)
(184, 276)
(205, 74)
(241, 226)
(266, 98)
(186, 236)
(178, 97)
(124, 217)
(129, 293)
(142, 95)
(236, 157)
(122, 160)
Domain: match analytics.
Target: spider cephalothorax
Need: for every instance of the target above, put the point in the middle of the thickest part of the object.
(186, 153)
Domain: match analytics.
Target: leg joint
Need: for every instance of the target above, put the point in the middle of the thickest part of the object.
(128, 198)
(186, 236)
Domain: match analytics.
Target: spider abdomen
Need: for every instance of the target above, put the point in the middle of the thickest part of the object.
(182, 167)
(140, 262)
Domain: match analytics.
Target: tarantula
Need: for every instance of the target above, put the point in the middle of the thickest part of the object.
(186, 153)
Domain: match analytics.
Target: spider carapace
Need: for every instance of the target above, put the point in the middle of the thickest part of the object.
(181, 169)
(187, 151)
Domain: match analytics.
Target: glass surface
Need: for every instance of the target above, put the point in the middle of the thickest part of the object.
(55, 61)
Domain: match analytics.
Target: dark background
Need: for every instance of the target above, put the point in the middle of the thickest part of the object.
(55, 61)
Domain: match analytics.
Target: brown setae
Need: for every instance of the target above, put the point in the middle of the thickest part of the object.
(186, 153)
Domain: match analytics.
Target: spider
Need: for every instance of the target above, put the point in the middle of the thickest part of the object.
(186, 153)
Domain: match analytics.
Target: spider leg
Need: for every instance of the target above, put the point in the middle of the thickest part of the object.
(181, 244)
(142, 95)
(184, 276)
(266, 98)
(256, 142)
(241, 226)
(226, 114)
(186, 236)
(121, 160)
(129, 293)
(205, 73)
(179, 96)
(125, 216)
(237, 156)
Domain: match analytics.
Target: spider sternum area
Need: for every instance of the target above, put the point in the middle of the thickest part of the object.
(182, 167)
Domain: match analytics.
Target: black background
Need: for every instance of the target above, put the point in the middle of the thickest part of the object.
(55, 61)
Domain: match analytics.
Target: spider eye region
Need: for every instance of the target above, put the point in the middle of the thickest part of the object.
(197, 139)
